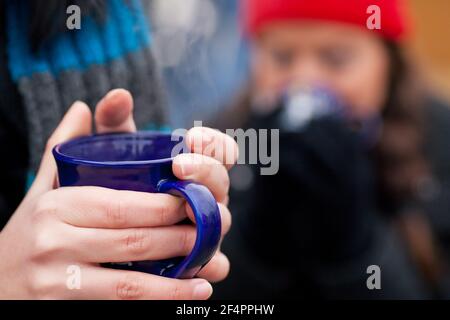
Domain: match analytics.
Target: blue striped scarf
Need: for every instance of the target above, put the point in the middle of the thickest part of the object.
(83, 65)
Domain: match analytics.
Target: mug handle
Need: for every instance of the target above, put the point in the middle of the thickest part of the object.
(208, 224)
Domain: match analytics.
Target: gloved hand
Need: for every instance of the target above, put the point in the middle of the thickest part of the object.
(325, 182)
(332, 176)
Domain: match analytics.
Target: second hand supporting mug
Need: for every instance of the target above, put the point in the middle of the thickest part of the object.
(142, 162)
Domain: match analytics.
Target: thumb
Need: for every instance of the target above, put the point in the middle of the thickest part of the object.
(77, 122)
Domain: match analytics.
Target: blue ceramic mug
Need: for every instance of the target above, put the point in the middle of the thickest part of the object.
(142, 162)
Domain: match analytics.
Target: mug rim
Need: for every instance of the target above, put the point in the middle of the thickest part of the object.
(60, 156)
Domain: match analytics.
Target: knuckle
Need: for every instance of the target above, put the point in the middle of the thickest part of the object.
(137, 242)
(176, 293)
(44, 245)
(45, 206)
(162, 212)
(129, 288)
(116, 214)
(40, 285)
(187, 239)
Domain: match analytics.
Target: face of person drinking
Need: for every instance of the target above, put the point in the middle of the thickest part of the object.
(350, 61)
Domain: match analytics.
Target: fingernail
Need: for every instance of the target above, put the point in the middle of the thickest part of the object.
(187, 169)
(201, 137)
(111, 94)
(202, 290)
(77, 104)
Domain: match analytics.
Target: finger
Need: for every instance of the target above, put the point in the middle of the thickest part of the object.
(114, 113)
(76, 122)
(99, 283)
(225, 216)
(204, 170)
(213, 143)
(96, 207)
(217, 269)
(134, 244)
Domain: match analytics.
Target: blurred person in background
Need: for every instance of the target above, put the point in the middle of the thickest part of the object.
(365, 184)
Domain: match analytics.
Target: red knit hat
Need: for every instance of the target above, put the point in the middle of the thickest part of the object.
(256, 13)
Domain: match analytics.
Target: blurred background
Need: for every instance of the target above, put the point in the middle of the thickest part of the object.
(204, 61)
(430, 42)
(201, 55)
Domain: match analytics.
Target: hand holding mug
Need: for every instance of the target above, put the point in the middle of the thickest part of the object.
(84, 226)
